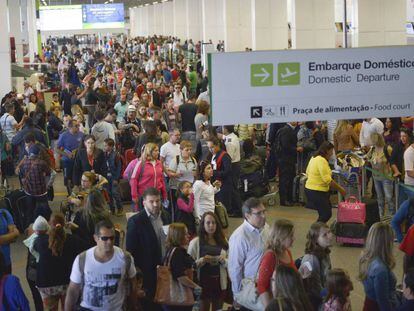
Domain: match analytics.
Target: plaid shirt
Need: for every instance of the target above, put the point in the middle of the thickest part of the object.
(33, 172)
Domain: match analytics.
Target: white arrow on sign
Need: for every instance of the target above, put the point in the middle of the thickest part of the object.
(256, 112)
(265, 75)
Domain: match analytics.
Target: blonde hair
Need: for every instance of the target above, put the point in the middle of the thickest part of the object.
(280, 231)
(379, 244)
(185, 144)
(377, 140)
(176, 235)
(148, 150)
(91, 176)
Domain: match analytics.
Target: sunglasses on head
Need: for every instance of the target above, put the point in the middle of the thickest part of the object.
(106, 238)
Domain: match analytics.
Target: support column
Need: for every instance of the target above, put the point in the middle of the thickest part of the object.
(32, 28)
(194, 20)
(145, 21)
(16, 28)
(158, 20)
(213, 20)
(168, 18)
(151, 21)
(269, 25)
(5, 61)
(313, 24)
(379, 23)
(180, 21)
(238, 25)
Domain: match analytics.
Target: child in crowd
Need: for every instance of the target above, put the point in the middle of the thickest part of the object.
(185, 206)
(317, 262)
(114, 166)
(339, 286)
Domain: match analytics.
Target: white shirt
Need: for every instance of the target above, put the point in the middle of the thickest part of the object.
(7, 123)
(331, 125)
(104, 285)
(203, 198)
(246, 248)
(178, 99)
(168, 152)
(232, 143)
(409, 165)
(373, 126)
(27, 92)
(204, 96)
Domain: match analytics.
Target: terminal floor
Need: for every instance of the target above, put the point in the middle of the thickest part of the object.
(342, 257)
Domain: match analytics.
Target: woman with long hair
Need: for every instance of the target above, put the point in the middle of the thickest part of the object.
(319, 182)
(288, 291)
(317, 262)
(201, 117)
(345, 138)
(209, 251)
(148, 172)
(339, 286)
(204, 190)
(180, 262)
(379, 158)
(277, 253)
(375, 269)
(57, 251)
(88, 158)
(95, 210)
(392, 131)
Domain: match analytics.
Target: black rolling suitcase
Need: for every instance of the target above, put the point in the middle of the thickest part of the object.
(125, 190)
(372, 211)
(14, 201)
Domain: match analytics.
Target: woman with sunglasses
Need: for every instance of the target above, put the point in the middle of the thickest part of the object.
(204, 190)
(209, 251)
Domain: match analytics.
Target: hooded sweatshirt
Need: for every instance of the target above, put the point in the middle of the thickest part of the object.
(102, 130)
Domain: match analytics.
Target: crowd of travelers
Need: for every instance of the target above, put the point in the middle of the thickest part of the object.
(129, 129)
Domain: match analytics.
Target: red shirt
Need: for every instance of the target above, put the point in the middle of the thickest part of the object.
(267, 267)
(407, 245)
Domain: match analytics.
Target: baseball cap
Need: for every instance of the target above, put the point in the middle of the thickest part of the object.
(132, 108)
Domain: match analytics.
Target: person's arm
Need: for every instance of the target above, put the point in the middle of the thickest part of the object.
(11, 236)
(382, 290)
(266, 269)
(237, 257)
(398, 219)
(197, 196)
(72, 295)
(183, 206)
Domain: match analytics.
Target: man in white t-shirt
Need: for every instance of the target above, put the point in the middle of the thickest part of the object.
(370, 126)
(8, 123)
(171, 148)
(101, 274)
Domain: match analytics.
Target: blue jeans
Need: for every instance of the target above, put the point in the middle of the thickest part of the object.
(385, 192)
(399, 218)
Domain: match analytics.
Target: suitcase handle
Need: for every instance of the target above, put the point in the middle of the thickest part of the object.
(355, 200)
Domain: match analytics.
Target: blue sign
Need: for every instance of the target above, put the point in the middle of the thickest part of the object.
(103, 15)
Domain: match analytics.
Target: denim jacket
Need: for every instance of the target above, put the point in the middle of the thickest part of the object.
(380, 285)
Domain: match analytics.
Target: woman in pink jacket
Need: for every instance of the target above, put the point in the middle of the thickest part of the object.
(148, 172)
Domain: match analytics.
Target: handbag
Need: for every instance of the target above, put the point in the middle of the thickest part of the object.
(352, 211)
(248, 296)
(170, 292)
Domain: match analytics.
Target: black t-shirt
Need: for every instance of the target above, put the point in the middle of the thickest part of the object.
(55, 270)
(188, 113)
(180, 261)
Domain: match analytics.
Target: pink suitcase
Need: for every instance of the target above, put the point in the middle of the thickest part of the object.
(351, 211)
(355, 241)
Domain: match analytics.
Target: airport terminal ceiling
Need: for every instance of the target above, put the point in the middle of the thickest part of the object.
(128, 3)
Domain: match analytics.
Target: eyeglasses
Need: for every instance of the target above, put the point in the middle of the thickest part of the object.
(261, 213)
(106, 238)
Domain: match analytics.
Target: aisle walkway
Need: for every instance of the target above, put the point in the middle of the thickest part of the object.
(344, 257)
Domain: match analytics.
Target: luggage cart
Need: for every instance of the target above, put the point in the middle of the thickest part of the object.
(351, 182)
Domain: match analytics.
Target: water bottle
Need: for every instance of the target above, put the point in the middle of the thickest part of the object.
(245, 185)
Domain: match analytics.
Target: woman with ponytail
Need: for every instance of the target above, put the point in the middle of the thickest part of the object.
(57, 251)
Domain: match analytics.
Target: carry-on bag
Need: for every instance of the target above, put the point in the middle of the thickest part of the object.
(352, 211)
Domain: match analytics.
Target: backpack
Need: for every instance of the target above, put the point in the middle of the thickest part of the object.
(221, 212)
(177, 160)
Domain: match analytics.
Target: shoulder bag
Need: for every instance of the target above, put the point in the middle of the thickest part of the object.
(170, 292)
